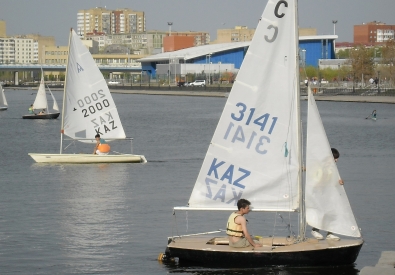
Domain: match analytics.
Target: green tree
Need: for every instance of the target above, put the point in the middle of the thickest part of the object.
(362, 62)
(388, 60)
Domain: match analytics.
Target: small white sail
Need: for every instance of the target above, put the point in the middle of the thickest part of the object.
(327, 205)
(55, 104)
(254, 151)
(3, 100)
(41, 97)
(89, 107)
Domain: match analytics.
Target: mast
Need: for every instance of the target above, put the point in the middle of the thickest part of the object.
(302, 220)
(64, 94)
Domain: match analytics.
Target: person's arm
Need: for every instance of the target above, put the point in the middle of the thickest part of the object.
(341, 182)
(97, 145)
(241, 220)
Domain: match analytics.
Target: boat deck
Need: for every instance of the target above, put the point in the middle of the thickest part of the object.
(269, 244)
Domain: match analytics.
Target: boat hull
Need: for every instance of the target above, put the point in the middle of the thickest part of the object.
(46, 116)
(308, 253)
(87, 158)
(3, 108)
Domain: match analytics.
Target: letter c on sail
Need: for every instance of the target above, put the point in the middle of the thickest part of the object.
(278, 6)
(274, 35)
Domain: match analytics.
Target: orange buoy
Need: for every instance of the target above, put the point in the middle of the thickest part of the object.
(104, 148)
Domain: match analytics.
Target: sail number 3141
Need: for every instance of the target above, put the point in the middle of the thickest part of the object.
(255, 138)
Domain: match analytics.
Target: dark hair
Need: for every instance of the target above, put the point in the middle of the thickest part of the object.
(97, 136)
(335, 153)
(242, 203)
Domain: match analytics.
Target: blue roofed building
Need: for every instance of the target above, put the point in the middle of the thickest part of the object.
(229, 56)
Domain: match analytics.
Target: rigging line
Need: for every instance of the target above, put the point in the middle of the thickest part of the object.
(73, 142)
(176, 226)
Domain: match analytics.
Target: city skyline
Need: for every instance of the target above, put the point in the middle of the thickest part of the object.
(55, 18)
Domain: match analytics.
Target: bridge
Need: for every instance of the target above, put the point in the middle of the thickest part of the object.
(62, 68)
(16, 68)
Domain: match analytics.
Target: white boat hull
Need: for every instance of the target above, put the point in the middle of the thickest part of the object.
(87, 158)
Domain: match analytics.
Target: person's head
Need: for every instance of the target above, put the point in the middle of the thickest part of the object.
(335, 153)
(97, 136)
(243, 203)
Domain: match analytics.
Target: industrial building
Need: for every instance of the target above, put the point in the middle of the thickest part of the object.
(217, 58)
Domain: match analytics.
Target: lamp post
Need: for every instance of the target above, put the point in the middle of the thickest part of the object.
(170, 24)
(334, 33)
(209, 61)
(338, 72)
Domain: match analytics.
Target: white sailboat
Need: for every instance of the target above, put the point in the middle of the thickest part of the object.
(88, 109)
(3, 100)
(256, 154)
(41, 103)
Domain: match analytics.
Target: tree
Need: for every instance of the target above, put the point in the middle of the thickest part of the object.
(362, 62)
(388, 60)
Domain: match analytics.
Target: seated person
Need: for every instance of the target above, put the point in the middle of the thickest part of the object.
(236, 228)
(42, 112)
(101, 148)
(31, 109)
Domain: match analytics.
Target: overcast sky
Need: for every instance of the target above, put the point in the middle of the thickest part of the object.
(56, 17)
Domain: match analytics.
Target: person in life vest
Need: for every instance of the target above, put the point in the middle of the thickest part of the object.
(31, 109)
(236, 227)
(101, 148)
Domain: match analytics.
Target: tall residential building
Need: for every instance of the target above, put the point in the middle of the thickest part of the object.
(26, 50)
(3, 29)
(110, 21)
(373, 32)
(7, 53)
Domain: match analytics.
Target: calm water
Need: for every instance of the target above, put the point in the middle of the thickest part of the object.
(115, 218)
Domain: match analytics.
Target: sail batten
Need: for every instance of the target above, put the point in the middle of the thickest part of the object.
(89, 108)
(246, 156)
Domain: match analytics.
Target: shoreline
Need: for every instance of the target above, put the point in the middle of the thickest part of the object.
(318, 97)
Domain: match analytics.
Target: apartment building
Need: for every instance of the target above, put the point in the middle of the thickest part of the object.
(201, 38)
(7, 50)
(374, 32)
(110, 21)
(26, 50)
(139, 43)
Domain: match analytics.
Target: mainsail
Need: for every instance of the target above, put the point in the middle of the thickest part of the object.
(89, 107)
(41, 98)
(254, 151)
(327, 205)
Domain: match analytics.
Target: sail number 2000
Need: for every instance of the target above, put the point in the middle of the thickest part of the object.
(93, 103)
(255, 139)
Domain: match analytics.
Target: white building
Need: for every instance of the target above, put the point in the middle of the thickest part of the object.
(7, 50)
(26, 50)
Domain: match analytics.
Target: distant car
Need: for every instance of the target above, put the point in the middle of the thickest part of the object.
(200, 83)
(113, 82)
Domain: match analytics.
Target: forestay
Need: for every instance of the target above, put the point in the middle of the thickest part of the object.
(327, 205)
(41, 98)
(89, 107)
(254, 151)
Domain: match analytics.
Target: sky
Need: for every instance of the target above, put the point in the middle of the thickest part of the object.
(56, 17)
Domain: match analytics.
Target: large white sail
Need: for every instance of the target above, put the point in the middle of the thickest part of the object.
(254, 151)
(327, 205)
(89, 107)
(3, 100)
(41, 97)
